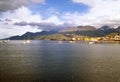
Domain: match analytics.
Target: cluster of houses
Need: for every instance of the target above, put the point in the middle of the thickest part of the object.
(95, 39)
(115, 37)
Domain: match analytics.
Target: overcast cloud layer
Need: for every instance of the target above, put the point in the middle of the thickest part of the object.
(20, 19)
(13, 4)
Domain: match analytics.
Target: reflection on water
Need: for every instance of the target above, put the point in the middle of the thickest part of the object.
(48, 61)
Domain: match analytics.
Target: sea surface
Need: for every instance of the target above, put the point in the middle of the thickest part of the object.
(51, 61)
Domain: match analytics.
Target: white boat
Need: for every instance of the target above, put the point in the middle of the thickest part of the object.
(72, 42)
(90, 42)
(60, 42)
(27, 41)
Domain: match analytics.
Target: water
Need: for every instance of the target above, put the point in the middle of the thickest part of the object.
(48, 61)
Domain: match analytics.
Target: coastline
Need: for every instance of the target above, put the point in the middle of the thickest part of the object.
(69, 41)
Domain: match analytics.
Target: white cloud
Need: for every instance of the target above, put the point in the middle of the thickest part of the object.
(11, 30)
(22, 14)
(52, 11)
(89, 3)
(54, 19)
(9, 18)
(101, 12)
(18, 16)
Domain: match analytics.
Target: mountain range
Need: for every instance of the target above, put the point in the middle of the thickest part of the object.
(89, 31)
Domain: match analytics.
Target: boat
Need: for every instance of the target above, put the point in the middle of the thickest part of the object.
(72, 42)
(90, 42)
(27, 41)
(60, 42)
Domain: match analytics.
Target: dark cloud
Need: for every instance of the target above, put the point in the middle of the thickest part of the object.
(50, 26)
(21, 23)
(44, 25)
(14, 4)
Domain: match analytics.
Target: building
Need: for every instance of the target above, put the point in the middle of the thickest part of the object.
(117, 37)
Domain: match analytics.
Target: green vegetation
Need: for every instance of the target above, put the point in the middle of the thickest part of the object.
(52, 37)
(94, 33)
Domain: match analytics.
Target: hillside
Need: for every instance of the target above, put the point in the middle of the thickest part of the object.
(78, 28)
(52, 37)
(118, 29)
(84, 31)
(107, 30)
(30, 35)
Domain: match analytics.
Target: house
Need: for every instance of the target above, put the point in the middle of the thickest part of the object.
(73, 39)
(117, 37)
(94, 39)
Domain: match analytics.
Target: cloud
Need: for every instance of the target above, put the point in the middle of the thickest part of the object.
(44, 25)
(86, 2)
(14, 4)
(54, 19)
(101, 12)
(38, 1)
(9, 24)
(28, 16)
(21, 23)
(13, 22)
(17, 15)
(12, 30)
(52, 11)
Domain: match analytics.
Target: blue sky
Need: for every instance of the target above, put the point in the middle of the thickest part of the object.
(61, 6)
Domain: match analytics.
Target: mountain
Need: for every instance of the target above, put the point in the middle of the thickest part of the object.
(53, 37)
(78, 28)
(86, 28)
(39, 33)
(106, 30)
(118, 29)
(105, 27)
(89, 31)
(15, 38)
(30, 35)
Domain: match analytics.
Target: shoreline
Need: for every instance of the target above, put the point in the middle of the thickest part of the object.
(71, 41)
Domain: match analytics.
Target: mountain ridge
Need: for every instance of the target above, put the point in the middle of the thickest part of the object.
(89, 31)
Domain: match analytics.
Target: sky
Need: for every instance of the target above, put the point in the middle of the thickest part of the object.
(20, 16)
